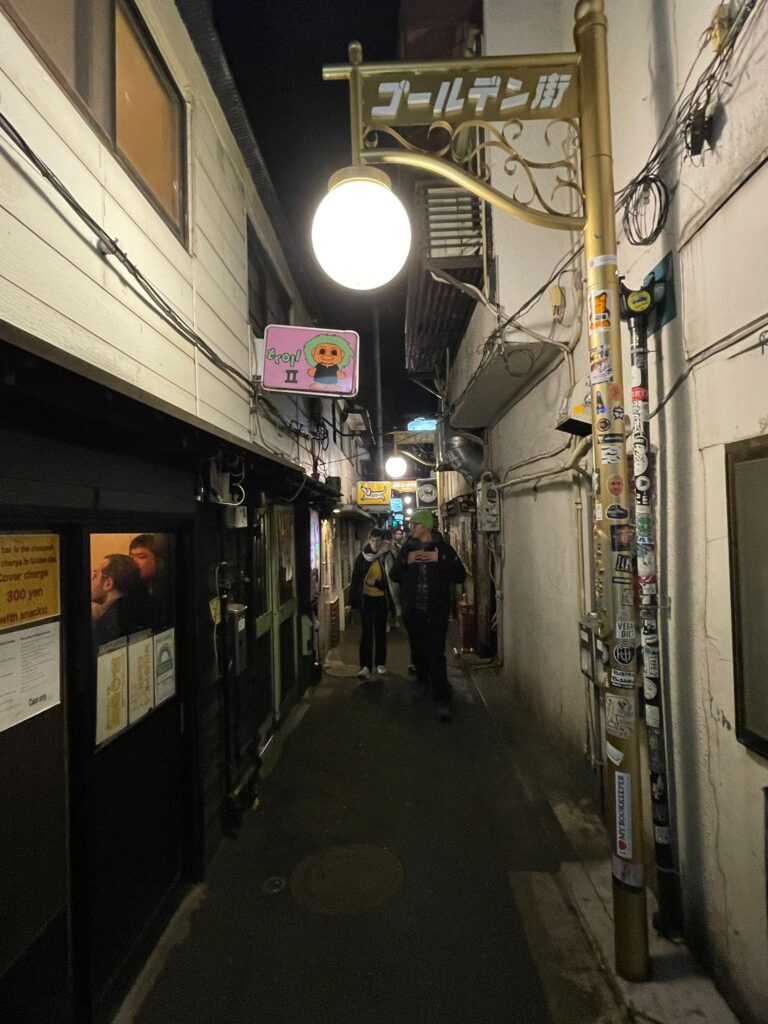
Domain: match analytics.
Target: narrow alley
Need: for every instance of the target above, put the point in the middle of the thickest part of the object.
(392, 859)
(320, 323)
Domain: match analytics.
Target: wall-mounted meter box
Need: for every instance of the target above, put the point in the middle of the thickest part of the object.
(236, 517)
(574, 414)
(488, 507)
(237, 641)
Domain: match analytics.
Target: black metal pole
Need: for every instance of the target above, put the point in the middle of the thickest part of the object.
(669, 919)
(377, 372)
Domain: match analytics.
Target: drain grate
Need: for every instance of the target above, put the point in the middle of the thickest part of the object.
(346, 879)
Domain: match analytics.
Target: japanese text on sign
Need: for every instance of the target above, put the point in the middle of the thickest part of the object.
(510, 92)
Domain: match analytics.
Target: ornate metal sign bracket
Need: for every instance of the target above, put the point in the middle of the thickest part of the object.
(434, 102)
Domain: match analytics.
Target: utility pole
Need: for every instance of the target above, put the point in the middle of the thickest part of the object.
(613, 582)
(377, 374)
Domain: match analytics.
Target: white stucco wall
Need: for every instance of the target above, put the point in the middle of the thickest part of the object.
(84, 309)
(715, 232)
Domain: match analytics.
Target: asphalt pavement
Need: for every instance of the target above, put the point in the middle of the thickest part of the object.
(395, 869)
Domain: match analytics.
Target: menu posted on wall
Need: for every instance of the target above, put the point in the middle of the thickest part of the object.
(29, 673)
(29, 578)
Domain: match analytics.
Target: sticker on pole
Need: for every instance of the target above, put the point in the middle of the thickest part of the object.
(599, 304)
(624, 815)
(310, 361)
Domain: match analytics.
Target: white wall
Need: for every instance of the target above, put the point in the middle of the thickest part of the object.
(716, 234)
(84, 309)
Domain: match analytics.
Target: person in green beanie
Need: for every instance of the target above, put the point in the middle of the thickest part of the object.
(427, 569)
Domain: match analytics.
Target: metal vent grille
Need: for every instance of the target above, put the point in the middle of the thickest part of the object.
(449, 236)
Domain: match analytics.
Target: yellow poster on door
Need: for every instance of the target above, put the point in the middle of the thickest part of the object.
(29, 578)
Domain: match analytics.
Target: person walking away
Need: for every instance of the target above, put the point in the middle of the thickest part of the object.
(427, 569)
(369, 593)
(387, 555)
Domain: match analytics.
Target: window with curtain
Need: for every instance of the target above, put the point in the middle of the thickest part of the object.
(103, 53)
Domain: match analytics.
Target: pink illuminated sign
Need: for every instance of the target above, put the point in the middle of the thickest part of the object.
(310, 360)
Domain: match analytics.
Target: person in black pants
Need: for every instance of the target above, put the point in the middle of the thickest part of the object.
(427, 568)
(369, 593)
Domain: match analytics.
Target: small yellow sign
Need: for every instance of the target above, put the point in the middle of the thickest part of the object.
(29, 578)
(374, 493)
(404, 486)
(639, 301)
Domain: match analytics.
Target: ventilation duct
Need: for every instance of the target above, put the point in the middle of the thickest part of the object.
(458, 451)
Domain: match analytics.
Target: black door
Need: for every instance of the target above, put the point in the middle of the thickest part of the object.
(34, 886)
(127, 792)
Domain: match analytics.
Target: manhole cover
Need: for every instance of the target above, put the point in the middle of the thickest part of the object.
(346, 879)
(272, 886)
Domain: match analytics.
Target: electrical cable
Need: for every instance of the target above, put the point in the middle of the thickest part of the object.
(109, 246)
(298, 491)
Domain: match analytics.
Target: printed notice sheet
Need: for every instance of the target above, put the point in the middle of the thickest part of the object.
(165, 666)
(141, 680)
(30, 680)
(111, 690)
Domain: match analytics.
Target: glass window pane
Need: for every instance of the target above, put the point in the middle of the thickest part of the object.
(75, 36)
(148, 117)
(95, 74)
(285, 554)
(750, 499)
(53, 25)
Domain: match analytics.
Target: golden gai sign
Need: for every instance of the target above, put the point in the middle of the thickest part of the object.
(499, 92)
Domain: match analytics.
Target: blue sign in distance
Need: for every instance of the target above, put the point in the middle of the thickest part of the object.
(396, 504)
(422, 424)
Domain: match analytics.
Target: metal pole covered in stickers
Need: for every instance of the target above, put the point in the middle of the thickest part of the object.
(636, 307)
(616, 616)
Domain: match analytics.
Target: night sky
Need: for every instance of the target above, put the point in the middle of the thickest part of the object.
(301, 123)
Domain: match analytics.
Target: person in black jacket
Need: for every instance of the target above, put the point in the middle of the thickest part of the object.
(427, 568)
(369, 593)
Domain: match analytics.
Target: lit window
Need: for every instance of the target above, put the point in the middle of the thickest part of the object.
(102, 52)
(147, 115)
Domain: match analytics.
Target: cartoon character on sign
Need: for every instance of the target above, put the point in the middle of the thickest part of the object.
(327, 355)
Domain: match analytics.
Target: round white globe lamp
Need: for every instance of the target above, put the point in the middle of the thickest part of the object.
(395, 467)
(408, 499)
(361, 233)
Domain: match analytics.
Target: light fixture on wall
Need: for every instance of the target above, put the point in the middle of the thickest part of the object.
(395, 467)
(361, 233)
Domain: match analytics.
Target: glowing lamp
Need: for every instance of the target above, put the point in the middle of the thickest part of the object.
(361, 233)
(395, 467)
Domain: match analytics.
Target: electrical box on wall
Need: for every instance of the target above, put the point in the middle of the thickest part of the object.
(236, 517)
(574, 414)
(237, 641)
(488, 507)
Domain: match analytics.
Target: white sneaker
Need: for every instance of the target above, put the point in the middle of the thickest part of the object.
(381, 670)
(363, 673)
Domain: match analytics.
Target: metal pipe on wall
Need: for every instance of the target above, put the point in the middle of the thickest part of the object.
(636, 306)
(377, 375)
